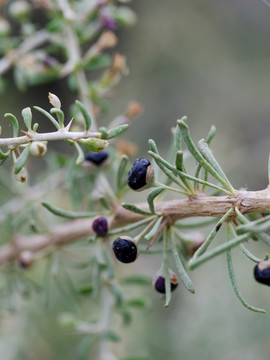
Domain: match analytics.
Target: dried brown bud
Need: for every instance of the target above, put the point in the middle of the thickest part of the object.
(119, 64)
(134, 109)
(107, 40)
(127, 148)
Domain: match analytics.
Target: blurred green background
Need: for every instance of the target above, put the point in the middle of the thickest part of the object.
(210, 61)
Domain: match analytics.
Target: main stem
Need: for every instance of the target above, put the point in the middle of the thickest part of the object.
(173, 210)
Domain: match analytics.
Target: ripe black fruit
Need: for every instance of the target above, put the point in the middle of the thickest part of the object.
(97, 158)
(262, 272)
(125, 250)
(140, 175)
(100, 225)
(159, 282)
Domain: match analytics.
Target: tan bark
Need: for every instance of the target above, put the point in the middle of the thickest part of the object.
(173, 210)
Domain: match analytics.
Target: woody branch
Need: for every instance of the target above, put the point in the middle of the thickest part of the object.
(173, 210)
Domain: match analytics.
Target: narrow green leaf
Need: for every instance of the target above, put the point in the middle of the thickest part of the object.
(195, 262)
(60, 116)
(196, 154)
(207, 153)
(3, 156)
(135, 209)
(178, 138)
(139, 303)
(112, 133)
(179, 163)
(66, 213)
(234, 282)
(211, 134)
(27, 117)
(83, 348)
(136, 280)
(120, 172)
(154, 229)
(98, 62)
(262, 236)
(171, 176)
(165, 266)
(80, 157)
(20, 162)
(48, 116)
(212, 234)
(130, 227)
(85, 289)
(15, 123)
(110, 336)
(159, 160)
(85, 114)
(151, 197)
(181, 269)
(192, 225)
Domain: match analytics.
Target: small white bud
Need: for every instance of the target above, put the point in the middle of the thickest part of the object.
(38, 148)
(54, 101)
(22, 176)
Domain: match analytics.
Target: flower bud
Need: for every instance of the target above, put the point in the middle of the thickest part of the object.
(262, 272)
(134, 109)
(107, 40)
(38, 148)
(4, 27)
(19, 10)
(141, 175)
(100, 225)
(54, 101)
(26, 259)
(97, 159)
(125, 249)
(159, 281)
(95, 144)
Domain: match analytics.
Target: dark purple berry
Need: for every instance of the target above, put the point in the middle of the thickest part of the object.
(100, 225)
(262, 272)
(140, 175)
(159, 282)
(97, 158)
(125, 250)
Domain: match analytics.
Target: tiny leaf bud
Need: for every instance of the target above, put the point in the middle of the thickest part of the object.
(100, 225)
(125, 249)
(262, 272)
(141, 175)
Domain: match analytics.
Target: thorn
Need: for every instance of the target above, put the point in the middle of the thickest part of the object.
(69, 124)
(26, 133)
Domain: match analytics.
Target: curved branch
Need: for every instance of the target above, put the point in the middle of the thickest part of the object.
(200, 205)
